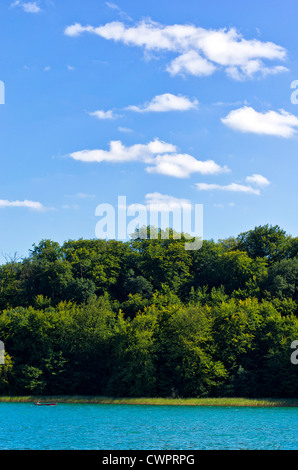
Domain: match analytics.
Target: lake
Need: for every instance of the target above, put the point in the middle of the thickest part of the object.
(24, 426)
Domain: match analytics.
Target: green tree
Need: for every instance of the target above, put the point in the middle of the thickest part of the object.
(11, 289)
(102, 262)
(282, 279)
(267, 241)
(184, 353)
(163, 261)
(133, 361)
(233, 270)
(46, 277)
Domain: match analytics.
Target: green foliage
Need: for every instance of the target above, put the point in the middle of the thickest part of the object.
(149, 318)
(265, 241)
(282, 279)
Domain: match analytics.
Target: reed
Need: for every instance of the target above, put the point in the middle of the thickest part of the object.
(75, 399)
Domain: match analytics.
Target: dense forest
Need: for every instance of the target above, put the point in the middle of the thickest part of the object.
(148, 318)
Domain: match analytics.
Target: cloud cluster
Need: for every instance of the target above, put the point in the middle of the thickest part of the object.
(100, 114)
(166, 102)
(255, 184)
(162, 158)
(234, 187)
(116, 8)
(34, 205)
(28, 7)
(163, 202)
(247, 119)
(159, 104)
(182, 165)
(258, 180)
(199, 51)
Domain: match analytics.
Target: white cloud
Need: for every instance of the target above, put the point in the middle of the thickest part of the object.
(112, 5)
(252, 68)
(76, 29)
(31, 7)
(85, 196)
(28, 7)
(166, 102)
(163, 202)
(119, 153)
(230, 103)
(191, 63)
(72, 206)
(199, 51)
(127, 130)
(80, 195)
(34, 205)
(233, 187)
(100, 114)
(220, 205)
(115, 7)
(183, 165)
(160, 207)
(246, 119)
(162, 157)
(257, 180)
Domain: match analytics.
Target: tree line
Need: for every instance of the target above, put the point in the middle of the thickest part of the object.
(148, 318)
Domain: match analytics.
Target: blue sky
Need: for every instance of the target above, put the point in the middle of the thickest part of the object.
(162, 102)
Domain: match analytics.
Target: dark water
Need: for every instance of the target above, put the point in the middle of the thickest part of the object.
(125, 427)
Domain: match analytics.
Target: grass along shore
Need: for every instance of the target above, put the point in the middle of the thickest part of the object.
(262, 402)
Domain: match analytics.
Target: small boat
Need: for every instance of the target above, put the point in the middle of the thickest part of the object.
(45, 404)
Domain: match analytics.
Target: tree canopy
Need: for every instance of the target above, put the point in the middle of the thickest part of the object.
(148, 318)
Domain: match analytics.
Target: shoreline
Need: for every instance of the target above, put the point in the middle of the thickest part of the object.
(80, 399)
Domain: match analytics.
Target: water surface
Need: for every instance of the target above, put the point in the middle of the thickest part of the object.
(24, 426)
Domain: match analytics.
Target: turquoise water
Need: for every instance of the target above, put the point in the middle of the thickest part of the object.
(24, 426)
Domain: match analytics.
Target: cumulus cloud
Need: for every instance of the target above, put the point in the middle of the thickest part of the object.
(166, 202)
(119, 153)
(247, 119)
(34, 205)
(76, 29)
(257, 180)
(166, 102)
(163, 202)
(100, 114)
(199, 51)
(252, 68)
(183, 165)
(162, 158)
(126, 130)
(191, 63)
(28, 7)
(233, 187)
